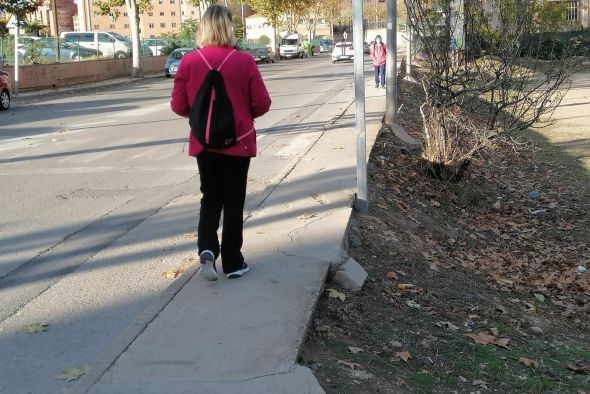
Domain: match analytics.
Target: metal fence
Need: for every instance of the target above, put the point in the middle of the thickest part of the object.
(46, 50)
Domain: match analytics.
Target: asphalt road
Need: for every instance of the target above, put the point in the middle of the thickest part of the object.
(97, 192)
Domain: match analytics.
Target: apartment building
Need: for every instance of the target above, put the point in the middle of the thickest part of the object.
(66, 10)
(166, 16)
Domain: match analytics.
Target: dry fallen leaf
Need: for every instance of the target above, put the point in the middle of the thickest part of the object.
(495, 331)
(582, 366)
(392, 275)
(403, 355)
(447, 325)
(405, 286)
(528, 362)
(480, 383)
(333, 293)
(482, 338)
(36, 327)
(192, 234)
(305, 216)
(528, 307)
(395, 344)
(350, 365)
(70, 374)
(502, 342)
(355, 350)
(172, 274)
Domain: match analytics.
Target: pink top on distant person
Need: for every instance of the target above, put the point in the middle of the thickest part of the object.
(243, 85)
(378, 54)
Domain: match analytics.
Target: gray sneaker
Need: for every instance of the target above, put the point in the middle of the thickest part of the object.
(208, 270)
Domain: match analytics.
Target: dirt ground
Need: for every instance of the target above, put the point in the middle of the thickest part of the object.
(474, 287)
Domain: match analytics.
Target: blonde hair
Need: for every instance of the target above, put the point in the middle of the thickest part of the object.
(216, 28)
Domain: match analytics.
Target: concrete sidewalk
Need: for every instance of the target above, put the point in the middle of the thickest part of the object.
(244, 336)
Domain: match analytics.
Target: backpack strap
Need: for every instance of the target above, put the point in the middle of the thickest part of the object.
(205, 60)
(222, 63)
(225, 60)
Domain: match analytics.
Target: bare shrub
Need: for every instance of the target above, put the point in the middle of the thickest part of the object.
(488, 73)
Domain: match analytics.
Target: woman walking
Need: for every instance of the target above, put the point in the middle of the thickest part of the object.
(379, 55)
(223, 171)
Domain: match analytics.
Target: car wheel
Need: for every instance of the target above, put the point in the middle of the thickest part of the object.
(120, 55)
(75, 57)
(4, 100)
(168, 76)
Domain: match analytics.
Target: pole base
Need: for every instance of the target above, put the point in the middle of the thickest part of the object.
(361, 206)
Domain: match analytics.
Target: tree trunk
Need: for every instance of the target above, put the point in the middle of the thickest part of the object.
(137, 69)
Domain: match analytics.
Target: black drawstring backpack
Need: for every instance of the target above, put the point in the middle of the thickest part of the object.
(211, 116)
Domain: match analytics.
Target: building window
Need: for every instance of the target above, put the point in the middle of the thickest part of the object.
(173, 13)
(152, 36)
(172, 1)
(112, 26)
(182, 13)
(126, 25)
(96, 27)
(125, 14)
(161, 14)
(572, 11)
(162, 25)
(160, 1)
(151, 25)
(192, 12)
(173, 24)
(150, 14)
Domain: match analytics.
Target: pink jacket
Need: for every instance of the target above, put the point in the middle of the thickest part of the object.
(378, 57)
(243, 85)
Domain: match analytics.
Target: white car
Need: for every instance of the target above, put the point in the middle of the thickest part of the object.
(342, 51)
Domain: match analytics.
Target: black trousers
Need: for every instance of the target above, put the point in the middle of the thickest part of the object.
(223, 184)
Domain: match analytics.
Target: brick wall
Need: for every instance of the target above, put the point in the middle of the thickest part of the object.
(43, 76)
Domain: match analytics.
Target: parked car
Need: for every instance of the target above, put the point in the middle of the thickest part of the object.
(174, 68)
(109, 44)
(261, 55)
(68, 51)
(5, 90)
(342, 51)
(155, 45)
(174, 57)
(326, 46)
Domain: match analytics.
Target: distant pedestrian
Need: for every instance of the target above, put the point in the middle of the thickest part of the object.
(223, 171)
(379, 56)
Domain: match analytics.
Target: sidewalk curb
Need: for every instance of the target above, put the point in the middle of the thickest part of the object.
(82, 87)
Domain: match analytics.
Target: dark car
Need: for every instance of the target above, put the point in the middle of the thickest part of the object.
(261, 55)
(173, 57)
(5, 90)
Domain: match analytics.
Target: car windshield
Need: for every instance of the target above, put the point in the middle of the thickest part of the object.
(259, 51)
(118, 36)
(325, 42)
(292, 41)
(178, 54)
(343, 44)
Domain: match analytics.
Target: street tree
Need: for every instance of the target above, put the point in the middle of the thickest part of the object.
(134, 10)
(489, 72)
(310, 17)
(272, 10)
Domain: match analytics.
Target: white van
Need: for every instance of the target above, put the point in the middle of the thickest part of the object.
(110, 44)
(291, 47)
